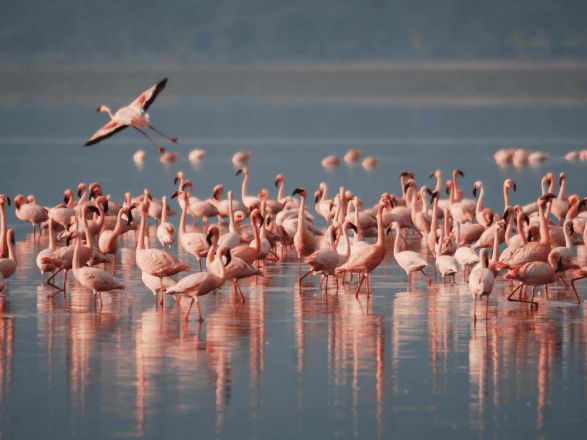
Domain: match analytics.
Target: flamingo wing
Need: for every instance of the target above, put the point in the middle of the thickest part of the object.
(144, 101)
(107, 131)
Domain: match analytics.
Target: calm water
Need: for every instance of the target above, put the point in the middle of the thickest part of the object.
(289, 362)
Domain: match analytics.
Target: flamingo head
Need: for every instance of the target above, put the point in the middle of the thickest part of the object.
(407, 174)
(458, 173)
(509, 184)
(300, 191)
(561, 178)
(19, 200)
(4, 199)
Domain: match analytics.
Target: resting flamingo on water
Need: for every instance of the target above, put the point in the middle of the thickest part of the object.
(132, 116)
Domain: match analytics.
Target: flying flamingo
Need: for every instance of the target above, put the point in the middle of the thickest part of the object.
(481, 282)
(131, 116)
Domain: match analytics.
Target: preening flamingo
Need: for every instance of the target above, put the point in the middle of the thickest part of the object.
(131, 116)
(166, 232)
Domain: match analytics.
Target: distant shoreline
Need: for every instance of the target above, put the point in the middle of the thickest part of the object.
(492, 83)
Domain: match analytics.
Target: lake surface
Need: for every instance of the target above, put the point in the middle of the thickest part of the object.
(409, 362)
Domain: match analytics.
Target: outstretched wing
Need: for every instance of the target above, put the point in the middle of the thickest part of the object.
(105, 132)
(146, 99)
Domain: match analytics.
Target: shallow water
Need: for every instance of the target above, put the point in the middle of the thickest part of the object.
(409, 362)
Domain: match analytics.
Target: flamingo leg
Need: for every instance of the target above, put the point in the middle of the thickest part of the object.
(173, 140)
(475, 309)
(361, 278)
(532, 299)
(301, 278)
(199, 311)
(188, 313)
(160, 149)
(429, 279)
(53, 276)
(575, 290)
(241, 292)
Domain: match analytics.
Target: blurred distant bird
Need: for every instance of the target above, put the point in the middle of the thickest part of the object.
(131, 116)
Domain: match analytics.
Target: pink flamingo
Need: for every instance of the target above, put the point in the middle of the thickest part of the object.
(3, 227)
(166, 232)
(8, 265)
(366, 260)
(304, 240)
(47, 267)
(202, 283)
(155, 262)
(30, 212)
(131, 116)
(323, 261)
(481, 282)
(193, 242)
(92, 278)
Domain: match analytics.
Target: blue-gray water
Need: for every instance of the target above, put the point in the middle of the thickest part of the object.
(409, 363)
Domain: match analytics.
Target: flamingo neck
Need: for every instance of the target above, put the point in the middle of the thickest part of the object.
(184, 214)
(11, 250)
(458, 233)
(397, 238)
(342, 211)
(281, 190)
(568, 242)
(324, 193)
(359, 233)
(105, 109)
(231, 222)
(495, 250)
(51, 235)
(89, 237)
(479, 208)
(244, 187)
(347, 242)
(76, 263)
(438, 182)
(3, 232)
(380, 231)
(561, 193)
(141, 243)
(544, 234)
(506, 196)
(257, 237)
(163, 211)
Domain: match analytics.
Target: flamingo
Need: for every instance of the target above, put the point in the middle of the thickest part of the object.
(246, 252)
(481, 282)
(63, 257)
(560, 205)
(154, 283)
(466, 256)
(507, 184)
(8, 265)
(132, 116)
(323, 261)
(155, 262)
(92, 278)
(366, 260)
(408, 260)
(304, 240)
(232, 238)
(248, 201)
(202, 283)
(241, 158)
(108, 242)
(166, 232)
(534, 251)
(3, 227)
(370, 163)
(535, 274)
(47, 267)
(199, 208)
(196, 155)
(330, 162)
(222, 205)
(323, 204)
(30, 212)
(447, 264)
(273, 206)
(481, 213)
(352, 156)
(193, 242)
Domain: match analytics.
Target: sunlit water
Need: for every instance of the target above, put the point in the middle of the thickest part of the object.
(409, 362)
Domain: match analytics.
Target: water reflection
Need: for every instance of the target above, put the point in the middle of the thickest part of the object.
(369, 367)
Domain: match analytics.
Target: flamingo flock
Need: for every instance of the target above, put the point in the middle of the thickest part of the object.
(456, 232)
